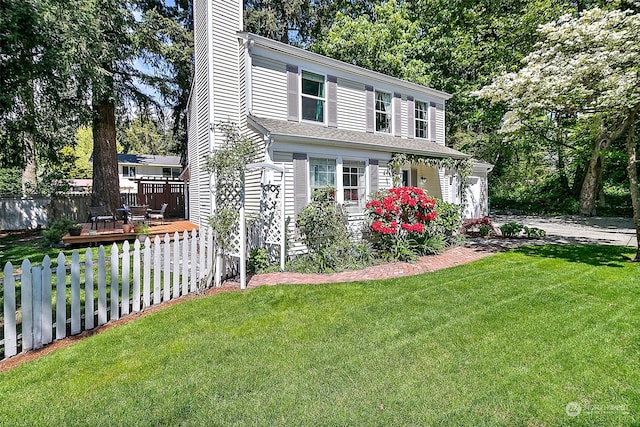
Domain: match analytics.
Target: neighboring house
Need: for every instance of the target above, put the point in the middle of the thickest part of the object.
(133, 167)
(328, 122)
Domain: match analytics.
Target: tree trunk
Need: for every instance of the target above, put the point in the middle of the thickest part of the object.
(106, 184)
(29, 177)
(633, 186)
(593, 177)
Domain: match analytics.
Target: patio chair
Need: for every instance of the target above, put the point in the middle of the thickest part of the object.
(158, 213)
(99, 214)
(138, 214)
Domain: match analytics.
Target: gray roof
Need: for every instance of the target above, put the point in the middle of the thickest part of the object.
(150, 160)
(306, 132)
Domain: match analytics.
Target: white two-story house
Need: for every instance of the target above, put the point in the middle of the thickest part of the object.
(329, 123)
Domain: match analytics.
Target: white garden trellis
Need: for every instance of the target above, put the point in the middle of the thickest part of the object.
(277, 238)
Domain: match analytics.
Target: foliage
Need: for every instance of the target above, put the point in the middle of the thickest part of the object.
(322, 225)
(278, 19)
(534, 232)
(224, 223)
(585, 68)
(447, 222)
(258, 261)
(341, 256)
(399, 219)
(229, 161)
(511, 229)
(227, 164)
(10, 181)
(56, 229)
(485, 230)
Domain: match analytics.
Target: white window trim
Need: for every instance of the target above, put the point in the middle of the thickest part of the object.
(338, 175)
(302, 95)
(426, 120)
(365, 186)
(375, 111)
(339, 172)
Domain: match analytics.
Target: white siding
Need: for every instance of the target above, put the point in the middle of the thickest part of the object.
(253, 178)
(227, 20)
(269, 88)
(199, 125)
(351, 105)
(384, 176)
(286, 158)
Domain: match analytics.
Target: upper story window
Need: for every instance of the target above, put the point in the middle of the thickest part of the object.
(129, 171)
(422, 121)
(383, 112)
(313, 97)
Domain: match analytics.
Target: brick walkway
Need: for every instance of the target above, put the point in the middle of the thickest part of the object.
(450, 258)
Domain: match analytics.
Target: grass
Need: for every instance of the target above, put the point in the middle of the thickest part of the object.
(507, 340)
(16, 247)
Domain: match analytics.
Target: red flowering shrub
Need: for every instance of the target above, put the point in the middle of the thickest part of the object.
(399, 219)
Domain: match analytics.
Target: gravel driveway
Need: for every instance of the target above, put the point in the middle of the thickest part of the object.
(577, 229)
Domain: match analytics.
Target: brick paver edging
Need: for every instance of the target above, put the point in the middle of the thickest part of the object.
(454, 256)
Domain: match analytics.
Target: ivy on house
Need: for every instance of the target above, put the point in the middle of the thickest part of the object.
(463, 167)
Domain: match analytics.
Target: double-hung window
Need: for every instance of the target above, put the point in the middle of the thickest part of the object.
(354, 186)
(422, 121)
(383, 112)
(322, 173)
(313, 97)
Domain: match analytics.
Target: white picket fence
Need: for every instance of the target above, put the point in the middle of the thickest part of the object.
(48, 299)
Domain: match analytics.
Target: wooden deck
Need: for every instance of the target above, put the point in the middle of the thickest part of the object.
(113, 232)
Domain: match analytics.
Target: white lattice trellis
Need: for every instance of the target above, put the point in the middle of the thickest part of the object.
(271, 217)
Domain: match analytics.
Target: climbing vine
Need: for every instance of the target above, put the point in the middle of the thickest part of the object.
(463, 167)
(227, 164)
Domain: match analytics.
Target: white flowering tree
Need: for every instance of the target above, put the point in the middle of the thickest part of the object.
(586, 66)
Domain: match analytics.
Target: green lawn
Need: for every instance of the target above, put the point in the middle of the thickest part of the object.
(17, 247)
(507, 340)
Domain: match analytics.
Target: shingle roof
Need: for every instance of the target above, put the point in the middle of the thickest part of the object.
(149, 159)
(333, 136)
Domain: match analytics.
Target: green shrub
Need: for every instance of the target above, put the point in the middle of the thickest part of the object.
(534, 232)
(322, 223)
(258, 261)
(484, 230)
(511, 229)
(57, 229)
(447, 222)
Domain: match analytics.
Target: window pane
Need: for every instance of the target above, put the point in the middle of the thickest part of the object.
(383, 122)
(421, 119)
(312, 109)
(312, 84)
(383, 112)
(323, 172)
